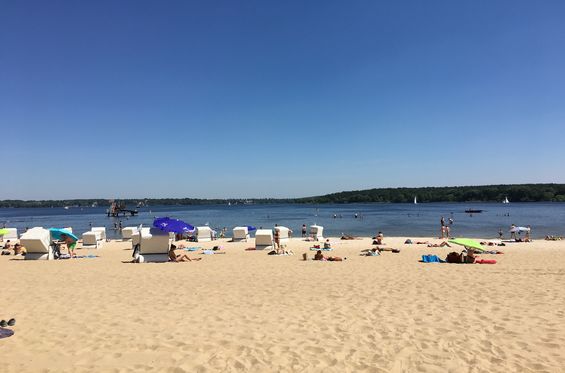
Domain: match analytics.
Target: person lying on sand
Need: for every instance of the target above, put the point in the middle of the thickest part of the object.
(320, 256)
(372, 252)
(347, 237)
(490, 243)
(444, 243)
(381, 249)
(492, 252)
(180, 256)
(553, 238)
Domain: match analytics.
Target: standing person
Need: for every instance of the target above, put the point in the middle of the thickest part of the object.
(277, 238)
(527, 238)
(442, 222)
(513, 232)
(500, 233)
(303, 230)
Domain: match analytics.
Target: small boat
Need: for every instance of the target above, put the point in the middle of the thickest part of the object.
(473, 211)
(415, 200)
(506, 200)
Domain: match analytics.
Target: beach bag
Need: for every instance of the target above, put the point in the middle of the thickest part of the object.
(453, 257)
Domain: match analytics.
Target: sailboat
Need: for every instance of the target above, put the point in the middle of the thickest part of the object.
(415, 200)
(506, 200)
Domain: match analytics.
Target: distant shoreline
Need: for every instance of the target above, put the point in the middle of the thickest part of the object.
(462, 194)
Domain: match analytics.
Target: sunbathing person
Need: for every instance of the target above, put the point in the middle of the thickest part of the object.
(347, 237)
(444, 243)
(327, 244)
(378, 239)
(381, 249)
(492, 252)
(373, 252)
(320, 256)
(179, 257)
(468, 256)
(7, 249)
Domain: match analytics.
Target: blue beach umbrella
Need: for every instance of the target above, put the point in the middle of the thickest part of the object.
(167, 224)
(251, 228)
(56, 233)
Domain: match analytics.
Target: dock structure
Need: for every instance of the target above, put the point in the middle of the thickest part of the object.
(119, 209)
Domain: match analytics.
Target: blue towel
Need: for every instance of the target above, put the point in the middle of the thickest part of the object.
(431, 259)
(191, 248)
(317, 248)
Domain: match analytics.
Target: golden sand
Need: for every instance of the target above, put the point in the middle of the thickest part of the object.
(248, 311)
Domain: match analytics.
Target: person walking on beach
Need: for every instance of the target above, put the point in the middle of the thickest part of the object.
(303, 230)
(442, 223)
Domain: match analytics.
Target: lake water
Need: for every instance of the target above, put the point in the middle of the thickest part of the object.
(407, 220)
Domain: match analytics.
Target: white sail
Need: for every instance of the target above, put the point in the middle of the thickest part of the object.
(506, 200)
(415, 200)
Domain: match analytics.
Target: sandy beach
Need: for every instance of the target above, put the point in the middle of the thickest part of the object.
(248, 311)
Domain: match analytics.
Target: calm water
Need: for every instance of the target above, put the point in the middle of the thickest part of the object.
(393, 219)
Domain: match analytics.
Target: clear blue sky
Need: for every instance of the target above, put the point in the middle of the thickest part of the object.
(277, 98)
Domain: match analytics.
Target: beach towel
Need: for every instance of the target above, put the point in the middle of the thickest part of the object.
(322, 249)
(431, 259)
(67, 256)
(191, 248)
(485, 261)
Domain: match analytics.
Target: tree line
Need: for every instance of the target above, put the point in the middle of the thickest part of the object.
(483, 193)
